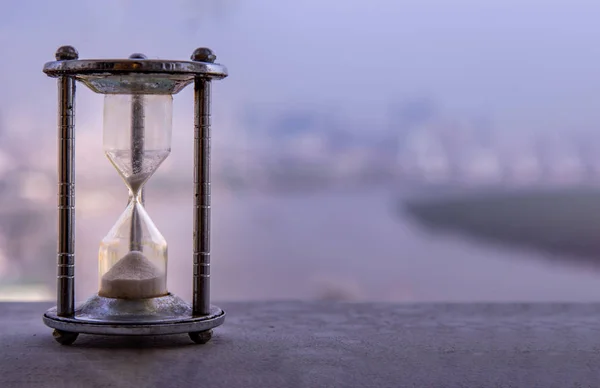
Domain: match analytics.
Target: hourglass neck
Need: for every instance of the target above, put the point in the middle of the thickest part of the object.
(136, 196)
(135, 183)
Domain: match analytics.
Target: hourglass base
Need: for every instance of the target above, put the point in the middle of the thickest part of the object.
(168, 314)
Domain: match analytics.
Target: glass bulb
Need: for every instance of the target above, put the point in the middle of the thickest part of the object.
(137, 139)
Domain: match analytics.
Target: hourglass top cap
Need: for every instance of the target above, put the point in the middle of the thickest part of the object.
(136, 74)
(68, 63)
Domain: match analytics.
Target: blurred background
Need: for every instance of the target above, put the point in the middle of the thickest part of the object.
(382, 150)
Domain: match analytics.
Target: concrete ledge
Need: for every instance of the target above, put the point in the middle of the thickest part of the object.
(301, 344)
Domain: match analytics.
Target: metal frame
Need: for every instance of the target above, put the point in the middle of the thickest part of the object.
(201, 303)
(143, 76)
(202, 64)
(66, 194)
(189, 325)
(109, 316)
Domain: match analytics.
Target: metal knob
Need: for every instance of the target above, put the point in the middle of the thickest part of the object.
(138, 56)
(65, 53)
(203, 54)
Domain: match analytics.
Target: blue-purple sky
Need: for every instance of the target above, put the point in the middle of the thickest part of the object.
(525, 63)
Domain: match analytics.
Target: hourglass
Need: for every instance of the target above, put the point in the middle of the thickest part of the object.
(133, 298)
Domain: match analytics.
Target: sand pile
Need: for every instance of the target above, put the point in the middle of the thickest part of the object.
(133, 277)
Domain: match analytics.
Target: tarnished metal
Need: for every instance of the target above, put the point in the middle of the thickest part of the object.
(154, 316)
(201, 337)
(136, 75)
(113, 310)
(66, 189)
(203, 54)
(134, 65)
(66, 53)
(201, 232)
(138, 56)
(64, 337)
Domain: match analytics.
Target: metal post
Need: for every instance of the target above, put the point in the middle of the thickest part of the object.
(201, 293)
(66, 188)
(137, 160)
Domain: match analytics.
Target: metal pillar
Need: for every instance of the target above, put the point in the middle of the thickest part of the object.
(201, 234)
(66, 188)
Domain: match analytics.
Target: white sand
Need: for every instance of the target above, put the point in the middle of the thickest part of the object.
(133, 277)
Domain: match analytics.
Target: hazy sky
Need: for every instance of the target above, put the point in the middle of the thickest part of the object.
(526, 63)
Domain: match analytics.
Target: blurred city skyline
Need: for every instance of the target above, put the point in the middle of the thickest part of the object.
(379, 95)
(386, 68)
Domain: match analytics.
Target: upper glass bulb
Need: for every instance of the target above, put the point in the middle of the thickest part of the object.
(137, 135)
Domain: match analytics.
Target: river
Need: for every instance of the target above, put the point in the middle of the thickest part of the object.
(344, 246)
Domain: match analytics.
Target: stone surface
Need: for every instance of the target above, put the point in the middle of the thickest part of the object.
(301, 344)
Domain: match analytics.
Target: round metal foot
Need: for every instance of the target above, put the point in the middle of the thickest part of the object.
(201, 337)
(64, 337)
